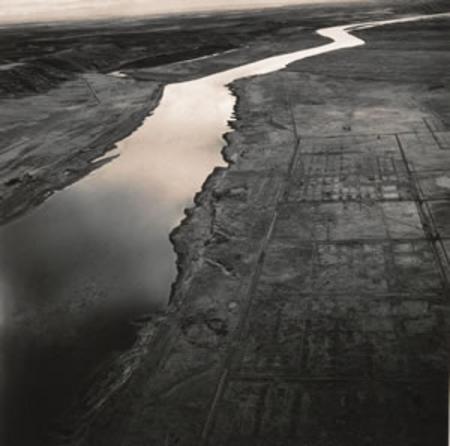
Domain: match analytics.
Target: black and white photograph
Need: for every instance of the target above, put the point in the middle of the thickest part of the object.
(224, 223)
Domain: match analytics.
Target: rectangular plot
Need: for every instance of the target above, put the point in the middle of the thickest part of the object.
(423, 153)
(443, 139)
(345, 336)
(336, 164)
(440, 211)
(348, 221)
(369, 144)
(377, 267)
(341, 413)
(434, 185)
(343, 177)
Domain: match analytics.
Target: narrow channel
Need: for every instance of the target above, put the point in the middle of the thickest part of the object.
(95, 254)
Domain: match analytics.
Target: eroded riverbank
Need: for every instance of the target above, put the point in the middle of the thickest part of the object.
(64, 264)
(308, 276)
(225, 259)
(228, 268)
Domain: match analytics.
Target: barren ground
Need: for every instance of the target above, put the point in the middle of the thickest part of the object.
(322, 314)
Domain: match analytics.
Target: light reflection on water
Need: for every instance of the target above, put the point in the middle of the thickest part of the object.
(111, 229)
(76, 269)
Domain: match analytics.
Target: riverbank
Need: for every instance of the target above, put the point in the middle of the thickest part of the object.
(60, 108)
(221, 238)
(325, 246)
(63, 261)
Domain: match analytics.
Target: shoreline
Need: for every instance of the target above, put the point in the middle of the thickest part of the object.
(191, 261)
(194, 240)
(200, 225)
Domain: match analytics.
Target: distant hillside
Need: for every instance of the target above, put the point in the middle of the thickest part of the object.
(36, 58)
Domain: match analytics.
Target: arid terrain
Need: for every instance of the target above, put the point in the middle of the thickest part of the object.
(310, 304)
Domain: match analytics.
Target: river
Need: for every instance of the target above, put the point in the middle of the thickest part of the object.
(98, 253)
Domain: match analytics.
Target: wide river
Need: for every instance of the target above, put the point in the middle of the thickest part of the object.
(99, 251)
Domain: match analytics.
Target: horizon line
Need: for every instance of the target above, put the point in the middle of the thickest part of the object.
(170, 13)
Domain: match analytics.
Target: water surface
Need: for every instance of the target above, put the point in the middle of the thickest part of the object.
(76, 269)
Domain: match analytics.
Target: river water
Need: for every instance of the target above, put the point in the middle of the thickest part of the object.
(108, 233)
(75, 269)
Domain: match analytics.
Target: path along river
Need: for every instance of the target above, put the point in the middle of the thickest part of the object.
(103, 242)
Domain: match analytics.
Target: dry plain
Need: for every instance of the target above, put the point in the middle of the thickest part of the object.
(311, 301)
